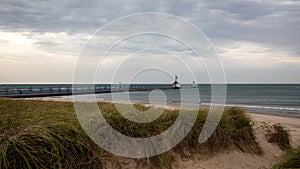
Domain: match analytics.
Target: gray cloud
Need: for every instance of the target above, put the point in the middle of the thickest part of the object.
(271, 23)
(228, 19)
(268, 23)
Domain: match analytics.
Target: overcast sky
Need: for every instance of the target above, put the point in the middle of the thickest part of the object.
(258, 41)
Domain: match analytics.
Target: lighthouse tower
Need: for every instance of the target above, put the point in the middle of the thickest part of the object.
(176, 84)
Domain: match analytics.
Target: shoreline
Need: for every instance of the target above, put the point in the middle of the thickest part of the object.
(172, 105)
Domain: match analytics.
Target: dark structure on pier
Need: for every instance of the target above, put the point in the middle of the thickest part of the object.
(176, 84)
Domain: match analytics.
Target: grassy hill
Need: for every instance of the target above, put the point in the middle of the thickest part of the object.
(47, 134)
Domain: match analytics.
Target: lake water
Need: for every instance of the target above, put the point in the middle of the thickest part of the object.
(283, 99)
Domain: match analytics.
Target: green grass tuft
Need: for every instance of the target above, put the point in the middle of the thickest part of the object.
(291, 159)
(281, 137)
(234, 132)
(38, 134)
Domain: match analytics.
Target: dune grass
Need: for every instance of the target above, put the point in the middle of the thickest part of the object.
(291, 159)
(47, 134)
(37, 134)
(281, 137)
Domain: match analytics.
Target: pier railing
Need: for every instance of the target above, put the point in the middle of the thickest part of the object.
(61, 91)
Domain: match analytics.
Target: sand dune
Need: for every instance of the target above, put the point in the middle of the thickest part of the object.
(234, 159)
(291, 124)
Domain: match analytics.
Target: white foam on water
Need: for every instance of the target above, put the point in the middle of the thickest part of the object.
(255, 106)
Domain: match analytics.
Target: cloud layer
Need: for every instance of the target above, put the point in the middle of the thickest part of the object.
(251, 36)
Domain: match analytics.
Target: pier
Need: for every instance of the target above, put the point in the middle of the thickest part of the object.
(47, 91)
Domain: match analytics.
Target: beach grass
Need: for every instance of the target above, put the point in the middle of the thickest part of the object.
(291, 159)
(38, 134)
(47, 134)
(281, 137)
